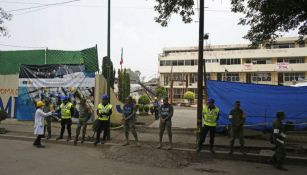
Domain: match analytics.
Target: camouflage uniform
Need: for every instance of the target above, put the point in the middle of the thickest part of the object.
(237, 119)
(47, 108)
(84, 116)
(129, 111)
(278, 139)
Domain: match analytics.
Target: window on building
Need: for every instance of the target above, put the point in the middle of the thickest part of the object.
(283, 45)
(231, 76)
(180, 62)
(293, 60)
(208, 60)
(230, 61)
(168, 63)
(177, 77)
(187, 62)
(177, 93)
(166, 79)
(193, 78)
(174, 62)
(194, 62)
(294, 76)
(302, 44)
(259, 61)
(215, 60)
(261, 76)
(162, 63)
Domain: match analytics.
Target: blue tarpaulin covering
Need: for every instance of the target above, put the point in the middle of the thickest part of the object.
(260, 103)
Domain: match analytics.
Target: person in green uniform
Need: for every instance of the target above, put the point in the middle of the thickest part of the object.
(278, 139)
(237, 120)
(84, 115)
(210, 117)
(47, 127)
(129, 111)
(104, 112)
(67, 109)
(166, 112)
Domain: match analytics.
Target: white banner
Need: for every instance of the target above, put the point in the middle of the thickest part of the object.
(57, 82)
(282, 66)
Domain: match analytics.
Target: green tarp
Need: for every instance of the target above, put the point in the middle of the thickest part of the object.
(10, 61)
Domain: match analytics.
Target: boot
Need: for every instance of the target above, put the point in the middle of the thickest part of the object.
(76, 141)
(159, 146)
(126, 143)
(59, 138)
(49, 136)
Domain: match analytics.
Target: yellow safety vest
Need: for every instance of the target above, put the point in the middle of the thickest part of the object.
(104, 109)
(210, 116)
(65, 110)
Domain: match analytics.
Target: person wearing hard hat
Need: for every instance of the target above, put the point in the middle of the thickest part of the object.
(104, 112)
(166, 112)
(278, 139)
(156, 106)
(129, 111)
(39, 123)
(67, 110)
(237, 121)
(210, 117)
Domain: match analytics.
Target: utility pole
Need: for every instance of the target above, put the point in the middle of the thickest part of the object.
(201, 68)
(109, 51)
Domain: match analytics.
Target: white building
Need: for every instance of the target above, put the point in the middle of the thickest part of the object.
(283, 63)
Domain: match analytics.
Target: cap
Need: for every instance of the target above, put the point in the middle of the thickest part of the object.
(104, 97)
(63, 97)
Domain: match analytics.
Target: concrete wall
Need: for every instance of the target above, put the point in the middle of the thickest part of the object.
(8, 93)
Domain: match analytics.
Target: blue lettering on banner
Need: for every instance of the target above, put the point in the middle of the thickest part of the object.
(8, 107)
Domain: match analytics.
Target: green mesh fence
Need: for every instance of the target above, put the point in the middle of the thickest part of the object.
(10, 61)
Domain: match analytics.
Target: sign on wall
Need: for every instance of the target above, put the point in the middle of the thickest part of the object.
(282, 66)
(50, 82)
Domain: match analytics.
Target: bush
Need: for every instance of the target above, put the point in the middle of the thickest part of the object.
(161, 92)
(141, 108)
(190, 96)
(146, 109)
(144, 100)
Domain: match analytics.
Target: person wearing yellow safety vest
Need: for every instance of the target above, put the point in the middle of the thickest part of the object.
(210, 117)
(66, 111)
(104, 112)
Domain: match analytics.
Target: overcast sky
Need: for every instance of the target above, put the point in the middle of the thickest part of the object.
(83, 24)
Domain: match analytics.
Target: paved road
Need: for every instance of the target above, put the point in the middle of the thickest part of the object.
(183, 118)
(20, 157)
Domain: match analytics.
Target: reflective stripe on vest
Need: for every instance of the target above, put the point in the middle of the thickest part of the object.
(104, 109)
(210, 116)
(65, 110)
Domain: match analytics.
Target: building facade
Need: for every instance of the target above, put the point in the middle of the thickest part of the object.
(282, 63)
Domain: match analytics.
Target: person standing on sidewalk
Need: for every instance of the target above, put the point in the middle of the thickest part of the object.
(67, 109)
(129, 112)
(104, 112)
(47, 108)
(237, 120)
(210, 117)
(156, 106)
(166, 112)
(85, 114)
(39, 123)
(278, 139)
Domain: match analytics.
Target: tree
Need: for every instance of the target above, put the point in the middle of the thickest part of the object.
(123, 84)
(144, 100)
(267, 18)
(190, 96)
(4, 16)
(161, 92)
(134, 75)
(105, 69)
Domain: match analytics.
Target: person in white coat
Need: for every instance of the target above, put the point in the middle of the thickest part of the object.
(39, 123)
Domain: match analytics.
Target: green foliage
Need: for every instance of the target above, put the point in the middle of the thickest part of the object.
(152, 109)
(134, 75)
(123, 84)
(146, 109)
(144, 100)
(105, 69)
(161, 92)
(166, 8)
(266, 18)
(190, 96)
(4, 16)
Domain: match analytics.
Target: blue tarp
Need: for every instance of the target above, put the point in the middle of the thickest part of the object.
(260, 102)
